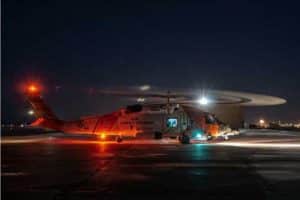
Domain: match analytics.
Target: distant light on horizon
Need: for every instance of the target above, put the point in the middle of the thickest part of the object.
(262, 121)
(140, 100)
(145, 87)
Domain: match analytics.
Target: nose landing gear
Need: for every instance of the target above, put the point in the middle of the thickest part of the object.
(226, 137)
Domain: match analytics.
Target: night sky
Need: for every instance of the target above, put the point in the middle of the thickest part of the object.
(71, 46)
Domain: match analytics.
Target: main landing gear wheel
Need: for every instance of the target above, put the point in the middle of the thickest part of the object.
(157, 135)
(119, 139)
(184, 139)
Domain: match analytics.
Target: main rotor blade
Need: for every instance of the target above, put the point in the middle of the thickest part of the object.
(138, 94)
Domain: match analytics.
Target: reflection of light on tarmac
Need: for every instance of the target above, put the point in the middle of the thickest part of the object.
(102, 146)
(13, 174)
(200, 151)
(260, 145)
(81, 142)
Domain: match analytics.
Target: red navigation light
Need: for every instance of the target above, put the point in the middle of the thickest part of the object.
(32, 88)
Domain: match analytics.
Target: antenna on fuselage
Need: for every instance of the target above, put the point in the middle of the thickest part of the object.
(168, 102)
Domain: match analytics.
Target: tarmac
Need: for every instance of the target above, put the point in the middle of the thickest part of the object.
(257, 164)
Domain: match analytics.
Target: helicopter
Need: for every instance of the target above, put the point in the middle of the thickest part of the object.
(172, 116)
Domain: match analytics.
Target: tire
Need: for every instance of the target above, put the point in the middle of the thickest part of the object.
(119, 139)
(185, 139)
(157, 135)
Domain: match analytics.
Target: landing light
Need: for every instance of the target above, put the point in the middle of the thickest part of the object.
(30, 112)
(203, 101)
(201, 137)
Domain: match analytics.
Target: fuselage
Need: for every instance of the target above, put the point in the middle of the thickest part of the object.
(144, 121)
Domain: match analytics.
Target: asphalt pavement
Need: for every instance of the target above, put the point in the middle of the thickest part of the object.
(254, 165)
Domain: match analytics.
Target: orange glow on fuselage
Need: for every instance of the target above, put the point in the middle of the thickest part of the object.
(102, 136)
(212, 129)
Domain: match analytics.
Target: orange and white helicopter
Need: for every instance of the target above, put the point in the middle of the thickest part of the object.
(157, 113)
